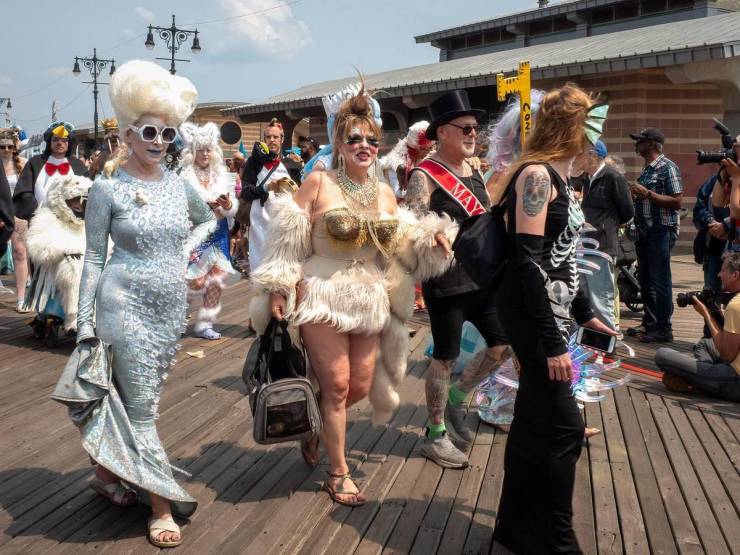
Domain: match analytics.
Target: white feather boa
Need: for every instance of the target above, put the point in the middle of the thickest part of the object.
(414, 259)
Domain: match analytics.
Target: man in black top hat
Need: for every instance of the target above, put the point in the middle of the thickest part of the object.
(657, 196)
(446, 183)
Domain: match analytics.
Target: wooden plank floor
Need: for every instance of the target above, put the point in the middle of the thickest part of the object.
(664, 477)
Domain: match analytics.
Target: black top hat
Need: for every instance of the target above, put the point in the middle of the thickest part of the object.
(448, 107)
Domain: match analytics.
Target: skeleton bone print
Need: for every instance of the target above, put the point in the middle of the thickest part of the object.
(563, 251)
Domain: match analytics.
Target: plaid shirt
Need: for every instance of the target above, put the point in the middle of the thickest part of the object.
(664, 178)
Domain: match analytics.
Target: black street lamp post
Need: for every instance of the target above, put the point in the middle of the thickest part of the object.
(6, 100)
(95, 66)
(174, 38)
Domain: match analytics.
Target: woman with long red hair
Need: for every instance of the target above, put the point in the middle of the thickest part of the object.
(536, 297)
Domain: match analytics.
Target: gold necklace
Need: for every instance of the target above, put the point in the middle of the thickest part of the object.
(363, 194)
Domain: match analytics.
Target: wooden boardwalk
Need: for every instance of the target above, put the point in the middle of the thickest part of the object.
(664, 477)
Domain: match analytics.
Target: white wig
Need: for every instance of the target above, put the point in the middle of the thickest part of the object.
(505, 143)
(138, 88)
(201, 137)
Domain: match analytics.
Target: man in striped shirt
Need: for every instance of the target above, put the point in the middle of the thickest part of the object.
(657, 196)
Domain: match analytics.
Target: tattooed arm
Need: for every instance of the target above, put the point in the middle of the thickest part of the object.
(418, 193)
(533, 193)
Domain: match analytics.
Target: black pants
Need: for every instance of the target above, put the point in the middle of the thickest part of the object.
(654, 264)
(448, 314)
(536, 509)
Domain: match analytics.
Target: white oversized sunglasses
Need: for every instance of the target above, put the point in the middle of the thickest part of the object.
(149, 133)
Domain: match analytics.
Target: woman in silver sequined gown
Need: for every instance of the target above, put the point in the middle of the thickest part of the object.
(136, 301)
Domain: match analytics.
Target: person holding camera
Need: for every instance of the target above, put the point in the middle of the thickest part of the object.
(710, 211)
(657, 196)
(715, 367)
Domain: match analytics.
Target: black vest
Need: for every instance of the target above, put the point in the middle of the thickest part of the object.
(456, 280)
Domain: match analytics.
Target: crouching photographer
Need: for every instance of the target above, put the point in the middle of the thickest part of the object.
(714, 368)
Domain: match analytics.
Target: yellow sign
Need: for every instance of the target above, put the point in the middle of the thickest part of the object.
(521, 84)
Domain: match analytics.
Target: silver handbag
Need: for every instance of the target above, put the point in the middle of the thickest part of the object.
(85, 380)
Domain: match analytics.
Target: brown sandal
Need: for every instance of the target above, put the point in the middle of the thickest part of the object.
(310, 450)
(334, 491)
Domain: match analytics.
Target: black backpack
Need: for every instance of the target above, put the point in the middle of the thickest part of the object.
(282, 399)
(481, 246)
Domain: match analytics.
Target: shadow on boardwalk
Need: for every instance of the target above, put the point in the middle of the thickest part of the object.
(662, 477)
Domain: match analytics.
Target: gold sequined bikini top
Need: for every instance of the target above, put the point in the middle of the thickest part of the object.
(358, 231)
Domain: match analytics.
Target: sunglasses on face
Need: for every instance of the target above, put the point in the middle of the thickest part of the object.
(467, 129)
(6, 147)
(149, 133)
(355, 139)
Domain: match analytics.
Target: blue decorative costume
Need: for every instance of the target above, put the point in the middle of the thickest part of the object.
(138, 300)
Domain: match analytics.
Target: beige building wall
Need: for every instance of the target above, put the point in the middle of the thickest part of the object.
(251, 132)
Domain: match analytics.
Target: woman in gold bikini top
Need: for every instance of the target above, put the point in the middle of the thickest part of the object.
(331, 268)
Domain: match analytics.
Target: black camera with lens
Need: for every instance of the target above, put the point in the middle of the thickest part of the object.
(727, 152)
(708, 297)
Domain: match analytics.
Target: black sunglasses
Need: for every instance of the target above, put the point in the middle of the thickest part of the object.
(466, 129)
(357, 139)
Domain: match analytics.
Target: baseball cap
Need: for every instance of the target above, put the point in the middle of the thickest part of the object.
(649, 134)
(311, 140)
(599, 149)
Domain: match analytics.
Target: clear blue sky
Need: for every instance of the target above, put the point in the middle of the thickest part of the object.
(245, 59)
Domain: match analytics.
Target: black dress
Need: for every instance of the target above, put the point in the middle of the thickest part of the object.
(539, 287)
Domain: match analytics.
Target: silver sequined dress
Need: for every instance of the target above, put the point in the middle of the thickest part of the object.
(137, 300)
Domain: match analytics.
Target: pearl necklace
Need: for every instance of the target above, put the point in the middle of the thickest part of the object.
(203, 176)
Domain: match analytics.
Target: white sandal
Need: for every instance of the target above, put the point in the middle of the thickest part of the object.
(157, 526)
(115, 492)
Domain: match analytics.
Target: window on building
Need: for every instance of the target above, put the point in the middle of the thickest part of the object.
(540, 27)
(457, 43)
(562, 24)
(390, 121)
(492, 35)
(602, 15)
(475, 40)
(681, 4)
(627, 10)
(652, 6)
(506, 35)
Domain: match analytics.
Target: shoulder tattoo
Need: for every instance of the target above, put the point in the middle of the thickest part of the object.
(536, 193)
(417, 193)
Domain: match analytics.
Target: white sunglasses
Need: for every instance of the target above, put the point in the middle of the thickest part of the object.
(149, 133)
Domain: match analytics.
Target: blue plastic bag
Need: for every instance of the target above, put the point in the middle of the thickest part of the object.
(470, 344)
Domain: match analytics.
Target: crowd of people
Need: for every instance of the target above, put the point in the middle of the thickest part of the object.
(345, 245)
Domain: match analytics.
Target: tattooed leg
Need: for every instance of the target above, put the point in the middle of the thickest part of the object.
(437, 384)
(483, 364)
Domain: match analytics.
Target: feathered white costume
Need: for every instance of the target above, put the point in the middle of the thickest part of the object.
(404, 156)
(344, 285)
(56, 246)
(210, 264)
